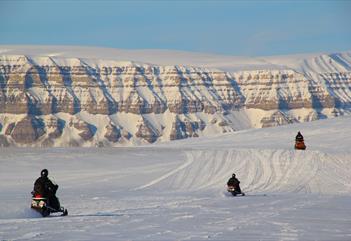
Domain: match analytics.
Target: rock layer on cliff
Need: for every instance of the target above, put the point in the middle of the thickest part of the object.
(60, 101)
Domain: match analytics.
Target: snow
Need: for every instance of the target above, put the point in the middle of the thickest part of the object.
(176, 190)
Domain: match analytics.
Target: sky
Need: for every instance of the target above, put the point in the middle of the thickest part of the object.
(241, 28)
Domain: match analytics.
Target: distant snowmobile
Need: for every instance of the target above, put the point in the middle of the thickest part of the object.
(42, 205)
(234, 186)
(234, 192)
(299, 142)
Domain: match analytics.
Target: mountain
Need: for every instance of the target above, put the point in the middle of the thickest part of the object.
(76, 96)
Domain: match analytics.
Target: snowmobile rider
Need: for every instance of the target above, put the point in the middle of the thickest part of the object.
(234, 182)
(299, 142)
(299, 137)
(45, 188)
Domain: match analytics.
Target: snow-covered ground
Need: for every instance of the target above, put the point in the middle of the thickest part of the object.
(176, 191)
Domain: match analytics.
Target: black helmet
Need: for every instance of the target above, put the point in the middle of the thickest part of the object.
(233, 175)
(44, 173)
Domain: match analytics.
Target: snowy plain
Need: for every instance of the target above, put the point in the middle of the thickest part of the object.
(176, 190)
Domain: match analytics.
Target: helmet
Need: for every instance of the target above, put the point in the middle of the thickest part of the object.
(233, 175)
(44, 173)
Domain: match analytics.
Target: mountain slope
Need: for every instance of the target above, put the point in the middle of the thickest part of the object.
(65, 96)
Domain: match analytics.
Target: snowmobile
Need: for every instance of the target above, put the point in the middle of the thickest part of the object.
(234, 192)
(299, 142)
(42, 205)
(300, 145)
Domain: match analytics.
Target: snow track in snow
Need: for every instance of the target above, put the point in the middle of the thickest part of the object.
(163, 177)
(260, 171)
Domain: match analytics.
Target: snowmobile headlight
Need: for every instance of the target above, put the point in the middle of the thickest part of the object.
(41, 204)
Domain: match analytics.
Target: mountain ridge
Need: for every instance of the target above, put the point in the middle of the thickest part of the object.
(62, 101)
(227, 63)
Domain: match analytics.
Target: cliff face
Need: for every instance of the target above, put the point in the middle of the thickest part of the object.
(67, 102)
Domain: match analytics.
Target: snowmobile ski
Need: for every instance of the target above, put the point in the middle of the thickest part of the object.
(40, 205)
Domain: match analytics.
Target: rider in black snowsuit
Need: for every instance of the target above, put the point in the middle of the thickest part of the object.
(299, 137)
(44, 187)
(233, 181)
(299, 142)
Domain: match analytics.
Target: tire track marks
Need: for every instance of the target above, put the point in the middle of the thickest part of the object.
(259, 170)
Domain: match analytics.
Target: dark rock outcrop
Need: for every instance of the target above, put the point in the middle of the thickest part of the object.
(87, 131)
(28, 130)
(277, 119)
(113, 134)
(3, 141)
(184, 129)
(10, 128)
(55, 125)
(147, 132)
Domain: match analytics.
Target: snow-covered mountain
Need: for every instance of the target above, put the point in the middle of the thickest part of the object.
(75, 96)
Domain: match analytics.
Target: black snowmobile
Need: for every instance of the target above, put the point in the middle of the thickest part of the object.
(42, 205)
(233, 186)
(234, 192)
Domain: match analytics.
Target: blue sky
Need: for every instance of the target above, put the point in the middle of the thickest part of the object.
(251, 28)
